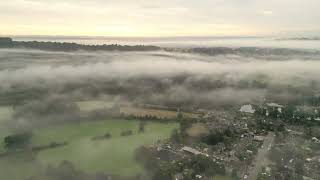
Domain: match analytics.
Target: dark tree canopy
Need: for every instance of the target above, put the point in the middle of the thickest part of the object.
(17, 141)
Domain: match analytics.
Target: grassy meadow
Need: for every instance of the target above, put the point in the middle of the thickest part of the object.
(115, 155)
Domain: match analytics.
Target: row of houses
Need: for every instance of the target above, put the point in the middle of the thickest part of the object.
(267, 108)
(277, 110)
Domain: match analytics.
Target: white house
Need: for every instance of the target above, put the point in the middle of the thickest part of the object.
(247, 109)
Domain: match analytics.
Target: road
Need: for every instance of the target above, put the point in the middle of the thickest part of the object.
(261, 158)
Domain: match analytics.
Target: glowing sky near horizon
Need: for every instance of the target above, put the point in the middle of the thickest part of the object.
(158, 18)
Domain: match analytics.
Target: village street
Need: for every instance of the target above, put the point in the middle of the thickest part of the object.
(261, 158)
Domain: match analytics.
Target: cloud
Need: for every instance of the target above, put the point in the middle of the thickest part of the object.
(267, 12)
(150, 18)
(175, 79)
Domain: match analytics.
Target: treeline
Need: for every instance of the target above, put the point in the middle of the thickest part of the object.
(246, 51)
(6, 42)
(64, 46)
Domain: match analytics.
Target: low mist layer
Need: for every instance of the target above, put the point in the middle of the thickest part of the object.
(179, 79)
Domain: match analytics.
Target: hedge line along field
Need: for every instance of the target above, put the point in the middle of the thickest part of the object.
(164, 114)
(114, 155)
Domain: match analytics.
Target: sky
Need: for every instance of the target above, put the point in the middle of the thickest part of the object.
(144, 18)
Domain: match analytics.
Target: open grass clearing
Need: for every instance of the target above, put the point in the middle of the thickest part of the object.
(115, 155)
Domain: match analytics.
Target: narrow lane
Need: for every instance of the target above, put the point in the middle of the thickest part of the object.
(261, 158)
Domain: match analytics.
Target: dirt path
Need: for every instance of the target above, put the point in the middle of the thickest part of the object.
(261, 159)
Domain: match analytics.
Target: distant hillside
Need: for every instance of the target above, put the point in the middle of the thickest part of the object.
(6, 42)
(246, 51)
(300, 39)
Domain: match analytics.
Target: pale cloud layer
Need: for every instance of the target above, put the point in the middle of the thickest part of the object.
(158, 18)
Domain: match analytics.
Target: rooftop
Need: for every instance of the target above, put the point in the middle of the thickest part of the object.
(247, 109)
(274, 105)
(191, 150)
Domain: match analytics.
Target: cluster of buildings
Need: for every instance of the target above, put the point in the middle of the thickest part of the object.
(266, 109)
(277, 110)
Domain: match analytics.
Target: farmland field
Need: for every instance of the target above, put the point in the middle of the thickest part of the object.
(131, 110)
(114, 155)
(87, 106)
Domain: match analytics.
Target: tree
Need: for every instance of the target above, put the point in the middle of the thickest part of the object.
(204, 165)
(214, 138)
(234, 174)
(141, 127)
(165, 171)
(179, 115)
(175, 136)
(18, 141)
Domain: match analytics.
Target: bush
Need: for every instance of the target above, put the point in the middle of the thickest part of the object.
(126, 133)
(216, 137)
(18, 141)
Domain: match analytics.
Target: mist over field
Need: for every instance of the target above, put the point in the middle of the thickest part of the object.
(184, 79)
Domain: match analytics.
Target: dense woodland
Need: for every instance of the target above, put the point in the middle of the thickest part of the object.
(55, 46)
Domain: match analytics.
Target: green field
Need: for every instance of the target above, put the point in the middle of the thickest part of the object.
(114, 155)
(221, 178)
(89, 106)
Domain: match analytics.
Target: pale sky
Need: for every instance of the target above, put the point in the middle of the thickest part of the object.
(158, 18)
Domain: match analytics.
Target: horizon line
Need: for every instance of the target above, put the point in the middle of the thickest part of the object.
(133, 37)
